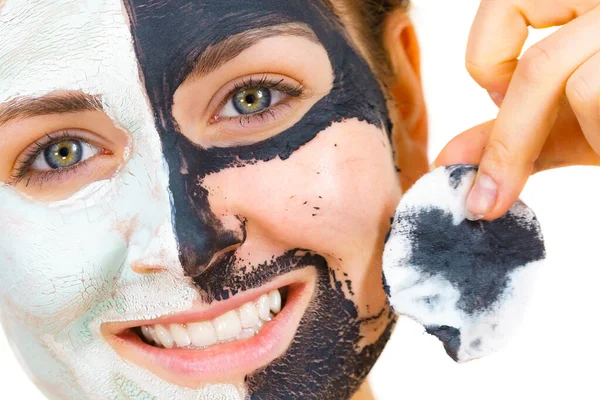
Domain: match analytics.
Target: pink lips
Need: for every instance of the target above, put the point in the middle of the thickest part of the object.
(228, 362)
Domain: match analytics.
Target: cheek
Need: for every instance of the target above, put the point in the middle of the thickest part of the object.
(59, 260)
(335, 196)
(53, 262)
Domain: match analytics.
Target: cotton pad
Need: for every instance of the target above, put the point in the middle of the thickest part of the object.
(467, 282)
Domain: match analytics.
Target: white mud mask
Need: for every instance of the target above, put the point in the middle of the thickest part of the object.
(65, 265)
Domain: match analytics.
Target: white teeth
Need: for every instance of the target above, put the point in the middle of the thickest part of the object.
(164, 336)
(263, 307)
(154, 336)
(246, 334)
(275, 301)
(228, 326)
(146, 333)
(243, 323)
(202, 334)
(248, 315)
(180, 335)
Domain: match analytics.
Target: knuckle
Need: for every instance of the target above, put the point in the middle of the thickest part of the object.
(481, 72)
(497, 154)
(535, 63)
(582, 96)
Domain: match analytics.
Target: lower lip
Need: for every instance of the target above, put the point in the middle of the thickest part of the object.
(224, 362)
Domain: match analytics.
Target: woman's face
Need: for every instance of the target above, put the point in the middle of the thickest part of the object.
(195, 199)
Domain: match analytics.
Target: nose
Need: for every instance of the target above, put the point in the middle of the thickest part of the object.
(449, 336)
(155, 250)
(202, 240)
(201, 234)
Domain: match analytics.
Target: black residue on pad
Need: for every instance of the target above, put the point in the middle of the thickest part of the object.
(449, 336)
(386, 287)
(457, 172)
(387, 235)
(465, 281)
(475, 257)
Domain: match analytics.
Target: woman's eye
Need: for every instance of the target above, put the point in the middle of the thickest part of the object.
(250, 101)
(63, 154)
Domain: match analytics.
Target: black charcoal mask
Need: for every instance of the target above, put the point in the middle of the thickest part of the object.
(324, 360)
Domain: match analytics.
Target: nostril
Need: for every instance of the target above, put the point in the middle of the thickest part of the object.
(449, 336)
(218, 254)
(140, 268)
(200, 250)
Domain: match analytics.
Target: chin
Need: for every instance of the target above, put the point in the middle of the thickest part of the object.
(295, 333)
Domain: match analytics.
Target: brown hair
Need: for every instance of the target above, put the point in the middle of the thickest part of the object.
(367, 18)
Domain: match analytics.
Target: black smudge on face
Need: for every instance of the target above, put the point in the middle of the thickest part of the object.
(169, 36)
(327, 337)
(230, 275)
(323, 362)
(475, 257)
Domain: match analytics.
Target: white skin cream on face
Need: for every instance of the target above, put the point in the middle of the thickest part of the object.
(66, 265)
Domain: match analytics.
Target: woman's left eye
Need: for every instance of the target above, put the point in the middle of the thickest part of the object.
(250, 101)
(63, 154)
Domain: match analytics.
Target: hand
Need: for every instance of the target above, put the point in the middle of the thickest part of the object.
(549, 99)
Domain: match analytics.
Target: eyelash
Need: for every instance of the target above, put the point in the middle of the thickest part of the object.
(21, 170)
(296, 91)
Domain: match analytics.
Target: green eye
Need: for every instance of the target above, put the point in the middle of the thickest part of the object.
(256, 98)
(63, 154)
(250, 101)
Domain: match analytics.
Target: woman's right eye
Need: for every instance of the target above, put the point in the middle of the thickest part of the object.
(63, 154)
(52, 164)
(57, 155)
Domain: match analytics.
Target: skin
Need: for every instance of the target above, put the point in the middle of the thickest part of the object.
(556, 81)
(55, 323)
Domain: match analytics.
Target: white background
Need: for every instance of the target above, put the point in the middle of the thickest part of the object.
(554, 354)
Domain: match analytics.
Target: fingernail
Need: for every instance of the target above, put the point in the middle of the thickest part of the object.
(497, 98)
(483, 196)
(472, 217)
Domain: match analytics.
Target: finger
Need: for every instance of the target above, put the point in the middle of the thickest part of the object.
(495, 42)
(467, 147)
(566, 144)
(528, 113)
(499, 32)
(583, 92)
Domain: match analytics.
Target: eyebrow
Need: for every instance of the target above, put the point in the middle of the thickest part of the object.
(59, 102)
(220, 53)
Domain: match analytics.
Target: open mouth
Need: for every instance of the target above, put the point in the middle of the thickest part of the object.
(221, 342)
(241, 323)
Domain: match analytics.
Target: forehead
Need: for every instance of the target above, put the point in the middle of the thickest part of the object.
(87, 44)
(82, 45)
(170, 36)
(75, 41)
(63, 44)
